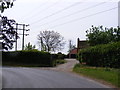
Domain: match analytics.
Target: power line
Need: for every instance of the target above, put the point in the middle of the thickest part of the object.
(29, 13)
(42, 9)
(77, 19)
(57, 12)
(74, 13)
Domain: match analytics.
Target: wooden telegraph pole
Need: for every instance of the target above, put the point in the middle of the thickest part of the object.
(23, 34)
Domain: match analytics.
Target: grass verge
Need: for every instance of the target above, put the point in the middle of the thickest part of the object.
(108, 75)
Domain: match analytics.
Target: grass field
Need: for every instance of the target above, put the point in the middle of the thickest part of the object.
(109, 75)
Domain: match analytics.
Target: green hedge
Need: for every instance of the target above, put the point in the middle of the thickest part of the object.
(106, 55)
(28, 57)
(60, 61)
(58, 56)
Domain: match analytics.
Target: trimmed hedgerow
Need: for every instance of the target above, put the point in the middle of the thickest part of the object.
(106, 55)
(28, 57)
(55, 57)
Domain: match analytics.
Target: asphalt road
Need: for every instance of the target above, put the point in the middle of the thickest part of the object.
(39, 78)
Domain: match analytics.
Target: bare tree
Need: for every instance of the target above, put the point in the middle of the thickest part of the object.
(71, 45)
(50, 41)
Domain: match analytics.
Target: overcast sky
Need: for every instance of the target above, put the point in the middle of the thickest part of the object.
(71, 18)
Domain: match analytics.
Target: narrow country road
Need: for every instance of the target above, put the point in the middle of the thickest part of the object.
(18, 77)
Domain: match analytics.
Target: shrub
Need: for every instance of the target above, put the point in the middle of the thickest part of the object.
(106, 55)
(60, 61)
(57, 59)
(28, 57)
(58, 56)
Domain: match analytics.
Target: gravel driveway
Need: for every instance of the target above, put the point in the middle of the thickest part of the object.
(67, 67)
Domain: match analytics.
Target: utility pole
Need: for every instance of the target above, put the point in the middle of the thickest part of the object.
(16, 36)
(41, 44)
(23, 36)
(23, 33)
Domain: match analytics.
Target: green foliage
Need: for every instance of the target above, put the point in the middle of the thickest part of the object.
(8, 33)
(29, 47)
(7, 30)
(60, 61)
(110, 75)
(58, 56)
(28, 57)
(5, 4)
(100, 35)
(107, 55)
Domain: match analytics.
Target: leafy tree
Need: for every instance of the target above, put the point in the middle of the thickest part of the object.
(4, 4)
(8, 34)
(29, 47)
(100, 35)
(50, 41)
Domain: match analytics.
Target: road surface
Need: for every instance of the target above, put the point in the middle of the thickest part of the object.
(40, 78)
